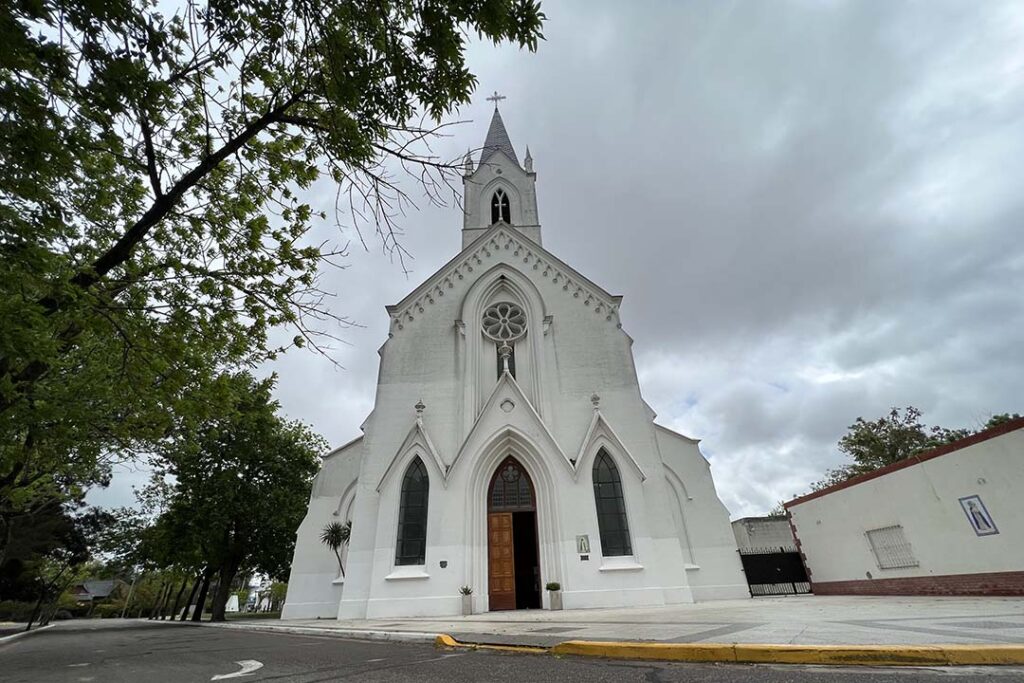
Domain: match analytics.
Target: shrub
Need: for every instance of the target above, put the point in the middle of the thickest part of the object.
(553, 586)
(466, 590)
(110, 610)
(16, 610)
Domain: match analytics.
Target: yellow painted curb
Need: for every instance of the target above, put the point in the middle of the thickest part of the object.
(671, 652)
(859, 655)
(983, 654)
(445, 640)
(846, 655)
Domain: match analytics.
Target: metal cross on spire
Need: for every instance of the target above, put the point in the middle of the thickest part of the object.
(496, 98)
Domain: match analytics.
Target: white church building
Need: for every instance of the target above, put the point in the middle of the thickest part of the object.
(509, 446)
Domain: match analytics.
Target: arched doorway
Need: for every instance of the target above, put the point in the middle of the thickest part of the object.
(513, 565)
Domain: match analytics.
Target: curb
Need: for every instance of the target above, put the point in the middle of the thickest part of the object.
(357, 634)
(15, 636)
(843, 655)
(445, 640)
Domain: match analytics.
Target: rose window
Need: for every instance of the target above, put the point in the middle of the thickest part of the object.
(504, 322)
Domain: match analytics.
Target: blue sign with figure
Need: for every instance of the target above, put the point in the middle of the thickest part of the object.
(978, 516)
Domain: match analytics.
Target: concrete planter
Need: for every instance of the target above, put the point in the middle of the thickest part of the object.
(467, 605)
(556, 599)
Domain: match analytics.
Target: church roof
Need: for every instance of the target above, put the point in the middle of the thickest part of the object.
(498, 140)
(502, 238)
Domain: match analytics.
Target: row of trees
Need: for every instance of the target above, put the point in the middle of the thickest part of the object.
(153, 232)
(225, 498)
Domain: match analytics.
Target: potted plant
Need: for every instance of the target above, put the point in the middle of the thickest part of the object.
(467, 600)
(555, 589)
(335, 535)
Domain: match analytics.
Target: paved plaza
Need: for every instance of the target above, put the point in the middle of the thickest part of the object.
(798, 620)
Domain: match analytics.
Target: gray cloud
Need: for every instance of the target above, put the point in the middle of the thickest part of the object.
(813, 210)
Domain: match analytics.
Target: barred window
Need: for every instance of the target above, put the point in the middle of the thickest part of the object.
(891, 548)
(611, 508)
(412, 515)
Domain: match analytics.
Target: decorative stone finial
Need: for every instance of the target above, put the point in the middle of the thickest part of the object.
(467, 163)
(528, 161)
(504, 351)
(419, 407)
(595, 400)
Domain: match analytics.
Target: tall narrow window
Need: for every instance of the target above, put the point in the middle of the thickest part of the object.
(412, 515)
(500, 209)
(611, 508)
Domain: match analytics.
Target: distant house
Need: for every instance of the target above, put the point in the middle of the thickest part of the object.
(943, 522)
(94, 591)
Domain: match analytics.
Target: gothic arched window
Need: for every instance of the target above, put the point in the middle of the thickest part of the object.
(611, 508)
(412, 515)
(500, 209)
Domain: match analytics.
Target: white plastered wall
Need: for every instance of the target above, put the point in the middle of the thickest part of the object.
(713, 567)
(315, 585)
(924, 500)
(577, 349)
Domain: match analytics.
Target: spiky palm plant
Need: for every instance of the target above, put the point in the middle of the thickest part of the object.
(335, 535)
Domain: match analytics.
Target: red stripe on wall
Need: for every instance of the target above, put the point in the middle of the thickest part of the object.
(990, 583)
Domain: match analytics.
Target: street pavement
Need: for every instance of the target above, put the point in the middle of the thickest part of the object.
(117, 651)
(792, 620)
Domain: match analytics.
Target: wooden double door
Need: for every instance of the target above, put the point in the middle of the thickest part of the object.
(513, 566)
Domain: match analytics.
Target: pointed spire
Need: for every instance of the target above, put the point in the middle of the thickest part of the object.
(528, 161)
(497, 139)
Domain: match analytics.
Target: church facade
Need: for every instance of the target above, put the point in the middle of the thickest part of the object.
(509, 446)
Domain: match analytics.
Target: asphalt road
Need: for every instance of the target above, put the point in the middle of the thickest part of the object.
(144, 652)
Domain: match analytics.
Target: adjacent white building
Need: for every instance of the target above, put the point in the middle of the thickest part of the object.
(509, 445)
(763, 533)
(945, 522)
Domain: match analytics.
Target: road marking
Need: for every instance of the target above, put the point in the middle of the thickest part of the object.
(371, 661)
(83, 664)
(248, 666)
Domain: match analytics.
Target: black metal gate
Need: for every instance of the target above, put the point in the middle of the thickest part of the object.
(774, 571)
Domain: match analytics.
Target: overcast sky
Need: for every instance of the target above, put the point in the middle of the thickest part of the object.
(813, 209)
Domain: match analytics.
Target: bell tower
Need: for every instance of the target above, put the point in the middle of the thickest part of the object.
(497, 189)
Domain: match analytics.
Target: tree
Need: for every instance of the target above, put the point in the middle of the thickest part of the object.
(335, 535)
(151, 228)
(241, 481)
(892, 438)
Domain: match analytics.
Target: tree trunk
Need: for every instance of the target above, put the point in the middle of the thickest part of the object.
(159, 600)
(201, 600)
(191, 596)
(35, 612)
(177, 599)
(220, 599)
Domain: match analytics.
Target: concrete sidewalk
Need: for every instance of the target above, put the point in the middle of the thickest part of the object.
(797, 620)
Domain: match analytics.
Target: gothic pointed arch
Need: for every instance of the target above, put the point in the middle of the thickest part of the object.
(601, 435)
(509, 202)
(508, 410)
(502, 294)
(490, 453)
(411, 541)
(612, 521)
(416, 443)
(501, 208)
